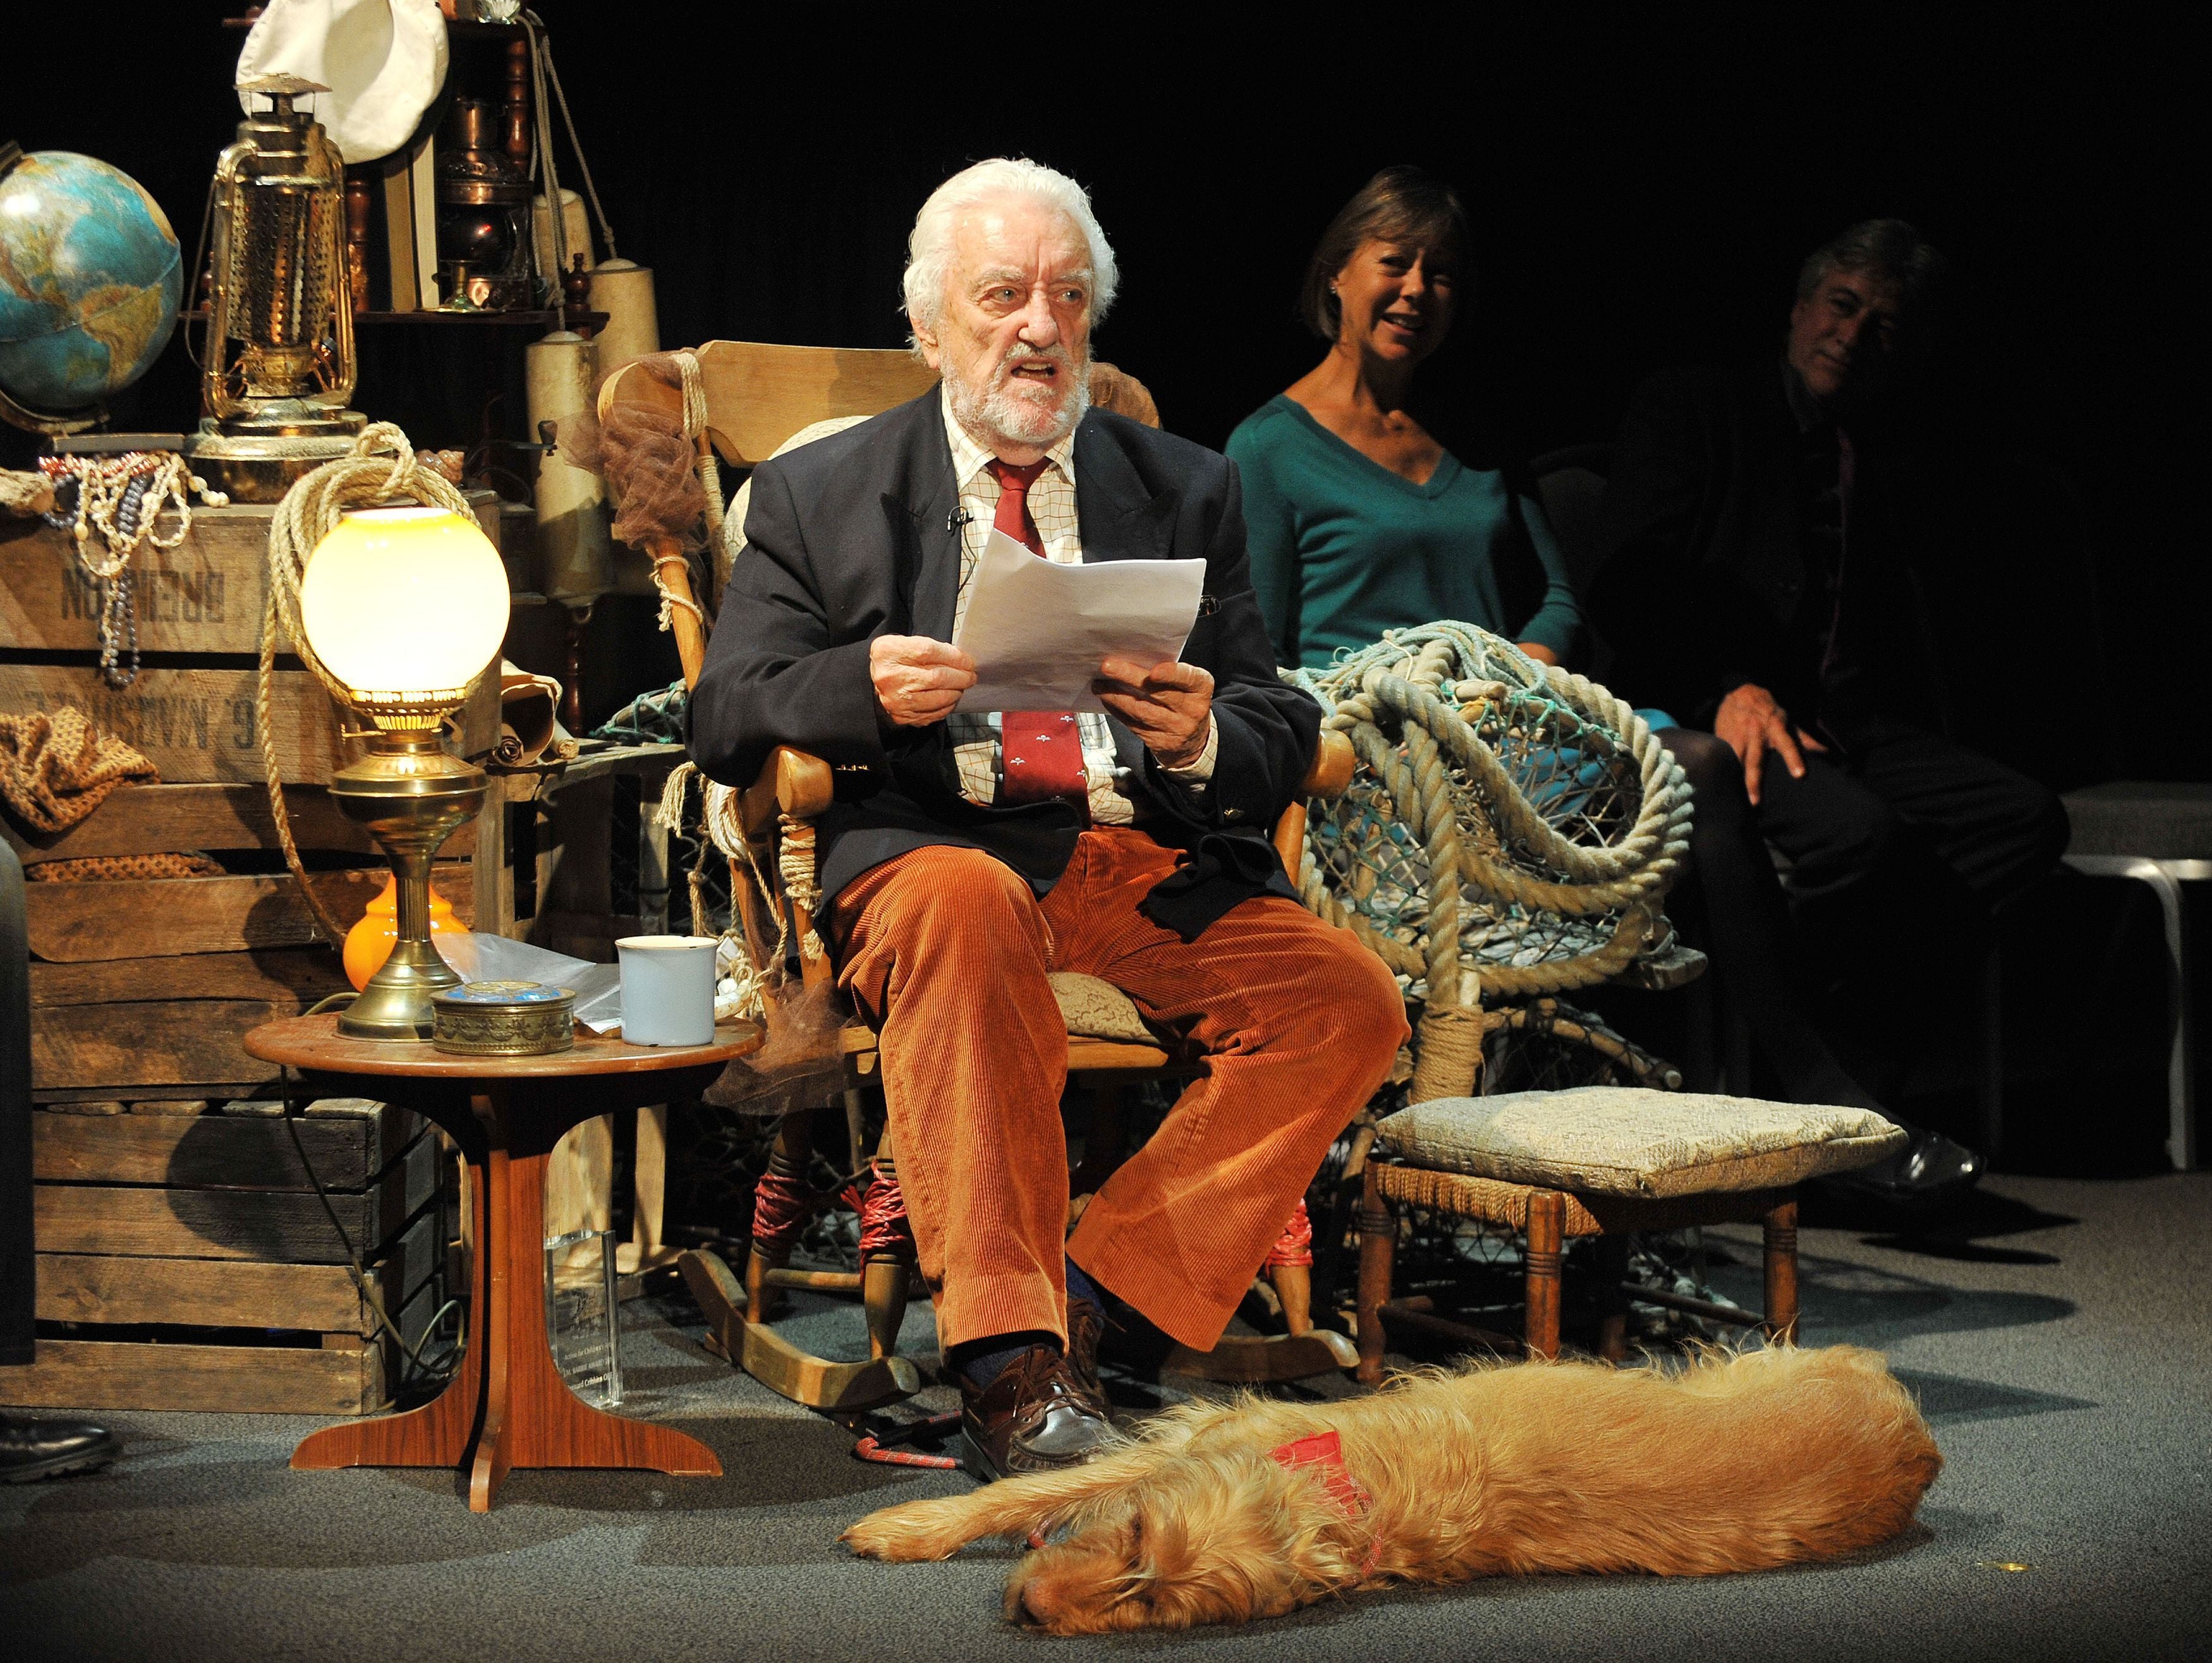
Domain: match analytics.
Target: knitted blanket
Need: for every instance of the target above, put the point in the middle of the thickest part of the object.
(56, 769)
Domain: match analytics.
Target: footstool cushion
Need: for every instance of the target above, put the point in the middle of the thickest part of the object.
(1630, 1141)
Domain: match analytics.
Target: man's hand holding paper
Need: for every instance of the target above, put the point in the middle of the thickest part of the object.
(1040, 634)
(917, 680)
(1169, 706)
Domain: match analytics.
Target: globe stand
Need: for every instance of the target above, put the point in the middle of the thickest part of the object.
(51, 427)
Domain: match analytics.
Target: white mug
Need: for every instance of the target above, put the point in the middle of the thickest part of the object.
(668, 989)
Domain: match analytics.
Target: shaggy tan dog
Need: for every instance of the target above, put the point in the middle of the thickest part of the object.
(1221, 1514)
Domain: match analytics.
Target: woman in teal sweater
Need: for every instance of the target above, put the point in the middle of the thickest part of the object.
(1358, 520)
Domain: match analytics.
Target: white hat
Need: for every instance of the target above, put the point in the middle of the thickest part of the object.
(383, 60)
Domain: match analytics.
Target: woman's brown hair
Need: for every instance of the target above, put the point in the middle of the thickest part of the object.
(1401, 205)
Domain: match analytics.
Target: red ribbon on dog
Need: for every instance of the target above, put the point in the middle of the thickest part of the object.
(1325, 1451)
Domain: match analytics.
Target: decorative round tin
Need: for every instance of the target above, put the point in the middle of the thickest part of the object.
(503, 1019)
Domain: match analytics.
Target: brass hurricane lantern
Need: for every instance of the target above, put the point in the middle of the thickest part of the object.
(278, 366)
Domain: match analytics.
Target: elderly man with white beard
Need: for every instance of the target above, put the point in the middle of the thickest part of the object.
(981, 852)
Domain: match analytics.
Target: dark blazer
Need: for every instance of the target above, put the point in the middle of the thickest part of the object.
(1705, 579)
(851, 538)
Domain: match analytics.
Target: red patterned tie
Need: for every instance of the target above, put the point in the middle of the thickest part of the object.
(1042, 750)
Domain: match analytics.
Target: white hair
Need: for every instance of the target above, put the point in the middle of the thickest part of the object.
(929, 250)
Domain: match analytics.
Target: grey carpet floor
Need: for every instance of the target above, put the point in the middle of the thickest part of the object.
(2059, 1340)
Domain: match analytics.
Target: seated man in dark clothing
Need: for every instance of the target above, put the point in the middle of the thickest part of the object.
(1757, 580)
(982, 849)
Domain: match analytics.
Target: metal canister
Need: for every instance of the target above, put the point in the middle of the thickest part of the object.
(503, 1019)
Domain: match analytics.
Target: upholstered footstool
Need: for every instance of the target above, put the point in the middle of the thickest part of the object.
(1603, 1162)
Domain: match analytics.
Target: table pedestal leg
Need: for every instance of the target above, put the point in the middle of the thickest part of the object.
(507, 1406)
(530, 1416)
(488, 1469)
(439, 1433)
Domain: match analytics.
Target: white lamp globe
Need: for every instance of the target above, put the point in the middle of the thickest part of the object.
(403, 602)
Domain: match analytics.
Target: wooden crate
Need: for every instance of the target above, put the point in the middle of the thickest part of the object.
(206, 1229)
(202, 603)
(206, 595)
(195, 722)
(146, 988)
(192, 725)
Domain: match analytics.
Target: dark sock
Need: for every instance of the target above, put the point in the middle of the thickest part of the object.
(1080, 1286)
(979, 1362)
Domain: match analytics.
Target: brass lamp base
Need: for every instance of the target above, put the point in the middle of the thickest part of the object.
(259, 456)
(410, 796)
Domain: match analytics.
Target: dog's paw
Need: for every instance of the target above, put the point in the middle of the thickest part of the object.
(909, 1532)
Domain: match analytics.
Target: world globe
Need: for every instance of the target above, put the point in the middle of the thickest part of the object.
(90, 277)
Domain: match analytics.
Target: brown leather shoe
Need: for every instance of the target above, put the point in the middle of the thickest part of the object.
(1036, 1417)
(1087, 1325)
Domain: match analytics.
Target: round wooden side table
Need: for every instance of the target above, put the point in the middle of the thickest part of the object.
(507, 1406)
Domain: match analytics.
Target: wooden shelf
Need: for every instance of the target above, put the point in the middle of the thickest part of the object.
(542, 318)
(546, 318)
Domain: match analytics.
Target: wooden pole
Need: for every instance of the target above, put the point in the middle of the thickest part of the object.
(1548, 1219)
(674, 574)
(1780, 1228)
(1378, 1249)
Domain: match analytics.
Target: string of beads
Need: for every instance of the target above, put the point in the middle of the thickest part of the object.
(120, 497)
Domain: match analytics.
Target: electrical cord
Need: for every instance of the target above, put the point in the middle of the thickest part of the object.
(353, 1260)
(542, 63)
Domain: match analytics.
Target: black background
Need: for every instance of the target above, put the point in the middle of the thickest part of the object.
(1643, 192)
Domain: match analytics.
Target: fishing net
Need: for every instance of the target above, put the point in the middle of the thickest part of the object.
(1511, 831)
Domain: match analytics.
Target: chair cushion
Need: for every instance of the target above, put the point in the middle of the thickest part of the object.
(1095, 1009)
(1626, 1140)
(2149, 819)
(733, 518)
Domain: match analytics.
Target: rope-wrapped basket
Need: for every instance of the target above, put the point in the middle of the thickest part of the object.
(1511, 831)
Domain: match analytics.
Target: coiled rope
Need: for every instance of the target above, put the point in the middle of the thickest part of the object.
(739, 987)
(664, 551)
(1512, 831)
(381, 469)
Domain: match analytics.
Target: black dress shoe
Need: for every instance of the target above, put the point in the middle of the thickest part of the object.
(46, 1449)
(1928, 1169)
(1038, 1416)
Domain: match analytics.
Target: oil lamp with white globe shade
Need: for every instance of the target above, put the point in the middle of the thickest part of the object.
(405, 608)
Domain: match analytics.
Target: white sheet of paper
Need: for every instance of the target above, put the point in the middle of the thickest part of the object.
(1038, 632)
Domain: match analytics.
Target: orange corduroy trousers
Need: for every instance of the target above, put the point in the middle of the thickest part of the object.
(948, 951)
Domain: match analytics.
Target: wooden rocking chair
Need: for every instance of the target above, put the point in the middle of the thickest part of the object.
(755, 397)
